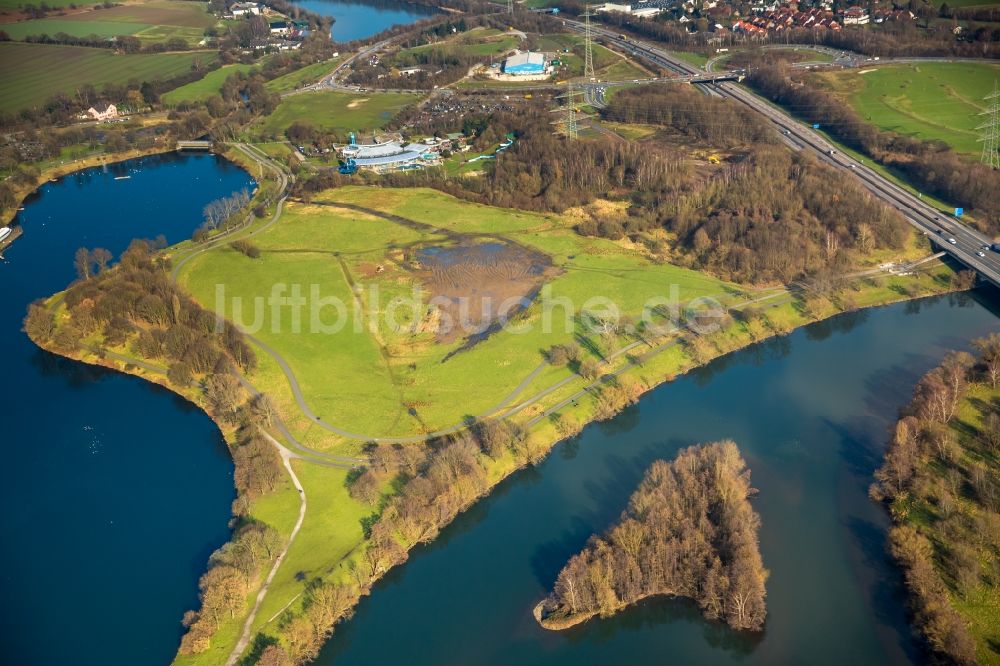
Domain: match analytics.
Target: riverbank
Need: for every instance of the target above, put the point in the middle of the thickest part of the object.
(543, 437)
(939, 482)
(54, 172)
(106, 472)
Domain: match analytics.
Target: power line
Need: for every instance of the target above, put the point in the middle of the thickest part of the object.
(569, 123)
(510, 6)
(991, 129)
(588, 59)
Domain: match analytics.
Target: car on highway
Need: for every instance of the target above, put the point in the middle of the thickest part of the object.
(980, 254)
(953, 241)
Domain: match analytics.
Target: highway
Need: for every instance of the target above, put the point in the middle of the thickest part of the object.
(938, 226)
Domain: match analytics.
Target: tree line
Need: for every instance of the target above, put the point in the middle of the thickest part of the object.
(764, 215)
(411, 493)
(235, 568)
(930, 165)
(689, 531)
(941, 483)
(136, 306)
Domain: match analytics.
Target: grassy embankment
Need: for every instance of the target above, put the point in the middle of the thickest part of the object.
(202, 89)
(150, 21)
(980, 606)
(302, 76)
(940, 482)
(930, 101)
(390, 381)
(32, 73)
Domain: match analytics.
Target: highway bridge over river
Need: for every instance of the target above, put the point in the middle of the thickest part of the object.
(961, 242)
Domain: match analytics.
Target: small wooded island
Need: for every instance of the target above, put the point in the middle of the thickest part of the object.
(688, 531)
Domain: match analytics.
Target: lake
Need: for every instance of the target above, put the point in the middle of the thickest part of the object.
(114, 491)
(810, 413)
(358, 19)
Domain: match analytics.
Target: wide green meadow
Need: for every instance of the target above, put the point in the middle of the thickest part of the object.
(32, 73)
(376, 378)
(930, 101)
(336, 111)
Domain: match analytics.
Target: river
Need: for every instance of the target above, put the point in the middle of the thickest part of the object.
(810, 413)
(358, 19)
(114, 491)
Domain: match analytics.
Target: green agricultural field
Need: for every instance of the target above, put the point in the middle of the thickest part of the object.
(386, 373)
(928, 101)
(152, 21)
(31, 73)
(14, 5)
(336, 111)
(54, 26)
(200, 90)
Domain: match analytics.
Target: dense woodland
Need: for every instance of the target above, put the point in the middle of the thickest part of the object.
(930, 165)
(763, 215)
(688, 531)
(941, 481)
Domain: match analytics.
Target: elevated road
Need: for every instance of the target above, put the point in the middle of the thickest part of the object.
(958, 240)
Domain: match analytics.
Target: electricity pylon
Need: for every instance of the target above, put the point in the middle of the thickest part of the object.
(991, 129)
(588, 45)
(510, 6)
(569, 124)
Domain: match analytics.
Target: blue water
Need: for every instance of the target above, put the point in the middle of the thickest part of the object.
(810, 413)
(357, 19)
(113, 491)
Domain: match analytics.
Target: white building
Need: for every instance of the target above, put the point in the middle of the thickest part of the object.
(245, 9)
(103, 111)
(855, 16)
(629, 9)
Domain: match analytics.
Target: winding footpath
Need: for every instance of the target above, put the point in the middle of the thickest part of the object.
(244, 640)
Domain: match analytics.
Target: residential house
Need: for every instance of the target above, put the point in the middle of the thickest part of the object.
(103, 111)
(855, 16)
(245, 9)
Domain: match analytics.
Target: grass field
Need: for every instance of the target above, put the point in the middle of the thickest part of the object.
(209, 85)
(31, 73)
(303, 76)
(482, 43)
(338, 111)
(151, 21)
(390, 381)
(928, 101)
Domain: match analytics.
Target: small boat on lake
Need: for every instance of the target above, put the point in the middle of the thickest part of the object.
(122, 177)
